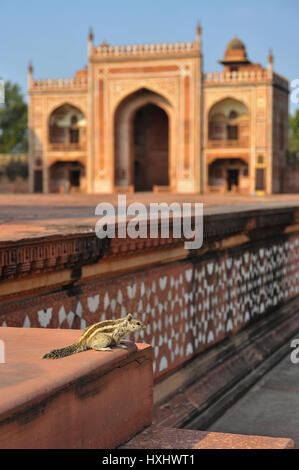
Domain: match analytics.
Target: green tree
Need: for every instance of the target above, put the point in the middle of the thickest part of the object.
(13, 121)
(294, 132)
(15, 169)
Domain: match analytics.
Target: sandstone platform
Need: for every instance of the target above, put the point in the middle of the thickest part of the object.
(90, 400)
(93, 399)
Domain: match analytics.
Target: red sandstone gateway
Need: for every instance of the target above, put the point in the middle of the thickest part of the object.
(116, 126)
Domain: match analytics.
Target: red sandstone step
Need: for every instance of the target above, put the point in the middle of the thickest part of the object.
(93, 399)
(171, 438)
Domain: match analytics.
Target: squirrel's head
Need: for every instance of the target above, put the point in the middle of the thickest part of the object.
(134, 324)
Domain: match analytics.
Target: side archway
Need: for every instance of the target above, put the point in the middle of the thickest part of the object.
(228, 140)
(228, 119)
(67, 127)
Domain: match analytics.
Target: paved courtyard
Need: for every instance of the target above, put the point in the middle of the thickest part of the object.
(30, 215)
(269, 408)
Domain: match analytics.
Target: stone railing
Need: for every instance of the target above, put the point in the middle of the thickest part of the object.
(60, 83)
(105, 50)
(228, 143)
(218, 77)
(68, 147)
(243, 77)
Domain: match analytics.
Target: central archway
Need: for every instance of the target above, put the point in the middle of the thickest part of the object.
(150, 148)
(141, 145)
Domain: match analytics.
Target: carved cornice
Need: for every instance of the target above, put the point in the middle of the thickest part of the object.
(53, 253)
(59, 252)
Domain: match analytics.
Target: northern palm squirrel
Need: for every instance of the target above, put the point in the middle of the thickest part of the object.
(100, 336)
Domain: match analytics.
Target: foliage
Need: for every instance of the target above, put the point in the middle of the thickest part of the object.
(294, 132)
(13, 121)
(15, 169)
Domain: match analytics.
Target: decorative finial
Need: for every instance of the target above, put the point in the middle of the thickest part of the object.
(30, 74)
(90, 42)
(198, 28)
(30, 68)
(270, 61)
(104, 43)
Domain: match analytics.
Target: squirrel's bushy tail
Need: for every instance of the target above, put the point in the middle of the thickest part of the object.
(66, 351)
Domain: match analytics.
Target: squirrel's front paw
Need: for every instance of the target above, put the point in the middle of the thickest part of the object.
(102, 349)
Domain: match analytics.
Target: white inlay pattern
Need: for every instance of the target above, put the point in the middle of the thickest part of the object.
(186, 306)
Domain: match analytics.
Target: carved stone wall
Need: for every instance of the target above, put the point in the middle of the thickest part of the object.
(188, 305)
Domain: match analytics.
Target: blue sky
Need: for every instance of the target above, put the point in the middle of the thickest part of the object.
(54, 34)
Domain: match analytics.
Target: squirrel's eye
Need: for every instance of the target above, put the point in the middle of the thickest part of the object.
(138, 323)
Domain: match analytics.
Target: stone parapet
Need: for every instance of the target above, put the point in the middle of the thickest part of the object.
(244, 77)
(237, 76)
(107, 51)
(189, 299)
(77, 247)
(59, 84)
